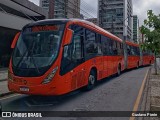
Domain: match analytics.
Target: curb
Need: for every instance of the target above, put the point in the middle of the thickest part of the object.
(140, 96)
(2, 80)
(2, 69)
(5, 94)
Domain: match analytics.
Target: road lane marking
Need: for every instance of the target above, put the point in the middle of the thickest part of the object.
(136, 105)
(9, 97)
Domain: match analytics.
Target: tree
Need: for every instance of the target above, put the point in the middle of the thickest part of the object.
(151, 31)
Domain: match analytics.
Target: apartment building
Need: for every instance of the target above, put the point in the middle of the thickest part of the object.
(135, 29)
(62, 8)
(115, 16)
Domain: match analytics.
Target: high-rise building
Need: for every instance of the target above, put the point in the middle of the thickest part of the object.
(62, 8)
(44, 4)
(93, 20)
(140, 36)
(135, 29)
(116, 16)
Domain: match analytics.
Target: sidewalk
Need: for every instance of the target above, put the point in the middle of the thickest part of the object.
(4, 89)
(150, 100)
(3, 69)
(3, 82)
(3, 74)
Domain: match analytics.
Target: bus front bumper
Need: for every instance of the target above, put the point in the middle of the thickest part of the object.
(32, 90)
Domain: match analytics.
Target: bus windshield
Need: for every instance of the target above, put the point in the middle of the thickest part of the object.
(37, 47)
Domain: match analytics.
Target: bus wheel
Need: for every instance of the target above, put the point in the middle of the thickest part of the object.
(119, 70)
(91, 80)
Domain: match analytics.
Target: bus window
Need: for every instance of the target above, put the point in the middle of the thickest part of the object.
(66, 63)
(90, 44)
(98, 41)
(136, 51)
(120, 50)
(132, 50)
(73, 54)
(77, 43)
(115, 49)
(77, 53)
(111, 52)
(128, 50)
(107, 45)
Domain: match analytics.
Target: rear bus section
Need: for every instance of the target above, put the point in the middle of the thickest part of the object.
(133, 54)
(148, 58)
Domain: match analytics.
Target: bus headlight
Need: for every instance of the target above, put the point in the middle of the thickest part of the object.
(10, 77)
(50, 76)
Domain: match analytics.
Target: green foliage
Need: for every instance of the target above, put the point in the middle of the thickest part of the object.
(151, 31)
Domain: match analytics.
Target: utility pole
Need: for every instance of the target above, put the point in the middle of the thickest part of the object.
(125, 46)
(112, 26)
(101, 14)
(51, 9)
(125, 52)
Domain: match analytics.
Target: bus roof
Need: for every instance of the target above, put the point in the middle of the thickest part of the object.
(95, 27)
(84, 23)
(47, 21)
(132, 44)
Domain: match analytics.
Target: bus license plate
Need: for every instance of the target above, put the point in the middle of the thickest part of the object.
(24, 89)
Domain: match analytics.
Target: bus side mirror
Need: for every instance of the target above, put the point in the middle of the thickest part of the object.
(68, 37)
(15, 40)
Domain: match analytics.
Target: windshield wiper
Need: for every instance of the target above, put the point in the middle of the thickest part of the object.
(31, 55)
(22, 57)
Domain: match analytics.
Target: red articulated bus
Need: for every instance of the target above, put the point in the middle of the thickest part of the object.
(148, 58)
(54, 57)
(133, 54)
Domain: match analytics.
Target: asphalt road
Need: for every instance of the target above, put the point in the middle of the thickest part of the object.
(112, 94)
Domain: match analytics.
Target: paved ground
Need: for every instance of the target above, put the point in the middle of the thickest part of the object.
(158, 62)
(3, 82)
(154, 91)
(3, 74)
(3, 87)
(151, 95)
(113, 94)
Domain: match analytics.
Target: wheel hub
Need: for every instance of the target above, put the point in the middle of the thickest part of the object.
(91, 79)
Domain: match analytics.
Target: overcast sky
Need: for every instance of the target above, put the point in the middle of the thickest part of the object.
(140, 7)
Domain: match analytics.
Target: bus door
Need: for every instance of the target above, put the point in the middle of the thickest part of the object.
(107, 56)
(72, 62)
(78, 73)
(99, 59)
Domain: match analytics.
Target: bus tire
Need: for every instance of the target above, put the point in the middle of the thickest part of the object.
(91, 80)
(119, 70)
